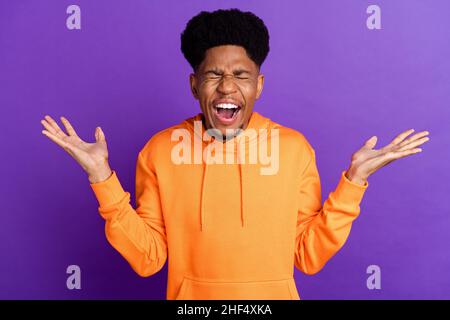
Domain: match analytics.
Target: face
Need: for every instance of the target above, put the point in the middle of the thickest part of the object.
(227, 83)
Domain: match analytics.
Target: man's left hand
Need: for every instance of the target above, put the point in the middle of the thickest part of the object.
(367, 160)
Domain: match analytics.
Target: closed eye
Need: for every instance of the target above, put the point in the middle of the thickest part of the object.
(241, 74)
(213, 75)
(216, 75)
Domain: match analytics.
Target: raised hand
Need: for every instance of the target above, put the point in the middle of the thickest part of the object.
(367, 160)
(93, 157)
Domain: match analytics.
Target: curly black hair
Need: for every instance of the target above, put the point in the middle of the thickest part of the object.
(222, 27)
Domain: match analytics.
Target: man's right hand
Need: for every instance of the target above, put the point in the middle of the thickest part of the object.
(93, 157)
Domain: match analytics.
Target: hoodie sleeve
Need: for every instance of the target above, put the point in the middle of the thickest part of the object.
(323, 230)
(138, 235)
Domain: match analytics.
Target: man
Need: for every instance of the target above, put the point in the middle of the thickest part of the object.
(232, 229)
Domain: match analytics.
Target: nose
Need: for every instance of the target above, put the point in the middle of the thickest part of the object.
(227, 85)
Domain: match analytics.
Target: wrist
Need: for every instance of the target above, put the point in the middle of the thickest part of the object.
(100, 174)
(355, 177)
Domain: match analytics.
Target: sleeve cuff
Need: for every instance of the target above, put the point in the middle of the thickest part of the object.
(348, 191)
(109, 191)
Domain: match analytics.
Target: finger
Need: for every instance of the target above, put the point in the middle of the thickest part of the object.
(391, 156)
(394, 155)
(70, 130)
(55, 126)
(56, 139)
(101, 134)
(413, 144)
(401, 136)
(97, 134)
(414, 137)
(370, 144)
(48, 127)
(402, 154)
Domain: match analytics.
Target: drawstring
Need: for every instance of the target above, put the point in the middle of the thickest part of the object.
(256, 121)
(242, 195)
(241, 181)
(202, 204)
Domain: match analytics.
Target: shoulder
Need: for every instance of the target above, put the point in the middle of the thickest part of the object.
(158, 141)
(295, 147)
(161, 143)
(294, 139)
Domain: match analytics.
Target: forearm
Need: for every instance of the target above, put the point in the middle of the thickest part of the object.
(143, 246)
(322, 234)
(139, 239)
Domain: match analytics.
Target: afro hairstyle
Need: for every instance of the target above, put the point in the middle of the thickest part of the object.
(224, 27)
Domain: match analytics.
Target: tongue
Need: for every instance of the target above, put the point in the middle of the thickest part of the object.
(226, 113)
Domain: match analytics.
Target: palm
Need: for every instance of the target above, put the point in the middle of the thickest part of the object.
(87, 152)
(88, 155)
(367, 160)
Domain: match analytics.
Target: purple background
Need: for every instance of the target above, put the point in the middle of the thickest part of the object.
(327, 76)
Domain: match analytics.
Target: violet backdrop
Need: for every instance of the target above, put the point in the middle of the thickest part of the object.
(327, 75)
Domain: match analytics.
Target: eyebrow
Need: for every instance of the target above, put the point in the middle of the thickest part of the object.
(235, 72)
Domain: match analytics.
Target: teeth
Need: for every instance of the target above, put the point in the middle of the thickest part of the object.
(226, 106)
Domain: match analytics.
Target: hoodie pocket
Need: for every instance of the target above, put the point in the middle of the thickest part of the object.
(192, 289)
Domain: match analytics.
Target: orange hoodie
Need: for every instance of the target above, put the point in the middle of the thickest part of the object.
(231, 232)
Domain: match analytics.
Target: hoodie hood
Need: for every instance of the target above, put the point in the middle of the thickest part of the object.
(232, 149)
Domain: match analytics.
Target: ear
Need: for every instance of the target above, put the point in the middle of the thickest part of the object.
(193, 84)
(259, 85)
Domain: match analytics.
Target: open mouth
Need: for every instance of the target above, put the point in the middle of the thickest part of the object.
(226, 112)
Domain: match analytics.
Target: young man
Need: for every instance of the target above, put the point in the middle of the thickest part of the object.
(233, 219)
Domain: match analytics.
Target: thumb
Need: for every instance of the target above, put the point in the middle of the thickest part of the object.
(99, 135)
(96, 134)
(371, 142)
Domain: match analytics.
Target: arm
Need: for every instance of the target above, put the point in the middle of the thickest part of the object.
(138, 235)
(323, 230)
